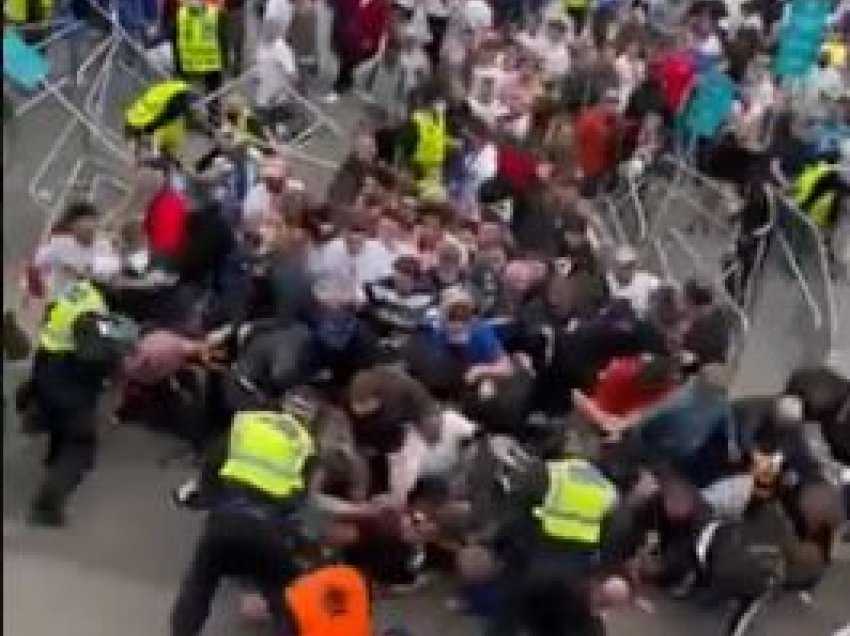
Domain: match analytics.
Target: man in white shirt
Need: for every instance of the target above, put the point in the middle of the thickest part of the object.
(353, 256)
(626, 281)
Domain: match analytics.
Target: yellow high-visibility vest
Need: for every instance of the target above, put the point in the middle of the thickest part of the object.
(198, 45)
(578, 499)
(432, 140)
(836, 52)
(57, 331)
(268, 451)
(17, 11)
(576, 5)
(149, 107)
(819, 209)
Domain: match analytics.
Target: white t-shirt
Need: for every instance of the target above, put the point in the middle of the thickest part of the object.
(477, 15)
(373, 262)
(278, 12)
(637, 291)
(258, 202)
(416, 458)
(276, 68)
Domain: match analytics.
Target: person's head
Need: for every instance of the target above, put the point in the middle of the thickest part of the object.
(79, 221)
(556, 28)
(273, 174)
(429, 494)
(449, 266)
(356, 232)
(625, 264)
(406, 272)
(458, 311)
(364, 393)
(697, 294)
(365, 148)
(521, 276)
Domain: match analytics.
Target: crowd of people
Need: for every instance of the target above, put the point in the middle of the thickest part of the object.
(443, 366)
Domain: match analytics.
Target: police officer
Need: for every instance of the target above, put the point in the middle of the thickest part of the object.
(160, 114)
(33, 12)
(198, 43)
(249, 531)
(426, 140)
(560, 541)
(819, 192)
(68, 375)
(578, 499)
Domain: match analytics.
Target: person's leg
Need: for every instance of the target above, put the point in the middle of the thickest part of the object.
(236, 34)
(199, 586)
(345, 76)
(72, 454)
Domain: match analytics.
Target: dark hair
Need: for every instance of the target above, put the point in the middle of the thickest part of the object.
(429, 490)
(698, 293)
(73, 213)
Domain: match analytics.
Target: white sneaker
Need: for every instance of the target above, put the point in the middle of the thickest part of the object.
(331, 98)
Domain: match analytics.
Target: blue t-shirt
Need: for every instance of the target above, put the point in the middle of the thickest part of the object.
(482, 346)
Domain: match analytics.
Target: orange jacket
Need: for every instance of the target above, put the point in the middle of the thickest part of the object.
(332, 601)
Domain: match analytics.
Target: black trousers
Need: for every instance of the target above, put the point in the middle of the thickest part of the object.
(239, 545)
(345, 75)
(67, 400)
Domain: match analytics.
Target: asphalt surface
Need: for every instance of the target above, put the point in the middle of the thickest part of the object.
(116, 567)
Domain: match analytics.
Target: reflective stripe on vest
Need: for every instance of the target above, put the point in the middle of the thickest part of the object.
(147, 108)
(197, 39)
(332, 601)
(576, 5)
(431, 140)
(268, 452)
(57, 332)
(819, 209)
(17, 11)
(579, 497)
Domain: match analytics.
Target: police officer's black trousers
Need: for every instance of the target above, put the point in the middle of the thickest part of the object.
(67, 402)
(234, 544)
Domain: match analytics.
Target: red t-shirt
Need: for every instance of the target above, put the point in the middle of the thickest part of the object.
(595, 134)
(360, 26)
(517, 167)
(618, 390)
(676, 72)
(165, 223)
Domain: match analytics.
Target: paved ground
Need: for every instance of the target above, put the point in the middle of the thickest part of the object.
(115, 569)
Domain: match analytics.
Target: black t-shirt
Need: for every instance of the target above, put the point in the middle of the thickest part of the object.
(211, 241)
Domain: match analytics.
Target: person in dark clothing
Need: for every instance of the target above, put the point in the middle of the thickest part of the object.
(826, 399)
(708, 338)
(756, 222)
(342, 342)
